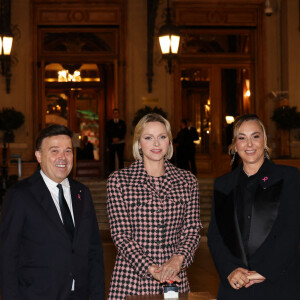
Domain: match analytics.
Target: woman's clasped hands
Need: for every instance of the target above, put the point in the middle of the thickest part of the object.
(167, 272)
(241, 277)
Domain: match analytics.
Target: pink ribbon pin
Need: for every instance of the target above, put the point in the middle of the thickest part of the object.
(265, 179)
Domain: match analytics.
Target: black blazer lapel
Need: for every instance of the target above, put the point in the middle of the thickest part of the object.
(42, 194)
(265, 207)
(239, 242)
(225, 198)
(225, 211)
(77, 195)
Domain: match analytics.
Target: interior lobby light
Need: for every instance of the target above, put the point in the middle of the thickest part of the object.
(6, 41)
(169, 39)
(65, 76)
(229, 119)
(247, 93)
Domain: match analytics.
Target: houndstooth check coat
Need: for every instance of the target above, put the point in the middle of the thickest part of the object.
(148, 226)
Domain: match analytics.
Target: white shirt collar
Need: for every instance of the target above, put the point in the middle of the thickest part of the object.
(50, 182)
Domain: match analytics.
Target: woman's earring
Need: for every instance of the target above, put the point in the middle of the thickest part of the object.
(233, 158)
(140, 151)
(267, 154)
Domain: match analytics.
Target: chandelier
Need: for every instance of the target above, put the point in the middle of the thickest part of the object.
(66, 76)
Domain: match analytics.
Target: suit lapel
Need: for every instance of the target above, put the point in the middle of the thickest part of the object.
(226, 215)
(240, 244)
(43, 196)
(265, 206)
(77, 200)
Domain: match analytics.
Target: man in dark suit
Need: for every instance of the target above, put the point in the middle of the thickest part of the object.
(50, 244)
(116, 130)
(192, 136)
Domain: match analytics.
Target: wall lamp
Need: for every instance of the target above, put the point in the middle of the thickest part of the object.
(6, 41)
(169, 39)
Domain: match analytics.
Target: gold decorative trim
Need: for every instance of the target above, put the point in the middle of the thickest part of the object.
(73, 16)
(214, 17)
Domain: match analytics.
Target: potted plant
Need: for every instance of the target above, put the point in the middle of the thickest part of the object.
(287, 118)
(10, 120)
(147, 110)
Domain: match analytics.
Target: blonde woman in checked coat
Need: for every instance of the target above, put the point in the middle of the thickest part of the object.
(154, 215)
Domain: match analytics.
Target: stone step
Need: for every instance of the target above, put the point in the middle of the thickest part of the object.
(206, 201)
(205, 211)
(205, 192)
(205, 228)
(205, 205)
(97, 188)
(100, 211)
(99, 202)
(205, 224)
(102, 218)
(205, 218)
(97, 196)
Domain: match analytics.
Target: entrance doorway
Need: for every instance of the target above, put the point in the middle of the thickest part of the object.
(212, 97)
(80, 105)
(77, 77)
(215, 76)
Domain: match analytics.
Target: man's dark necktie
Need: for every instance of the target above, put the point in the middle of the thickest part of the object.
(65, 213)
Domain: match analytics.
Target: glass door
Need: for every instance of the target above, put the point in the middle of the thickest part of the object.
(87, 124)
(212, 97)
(77, 109)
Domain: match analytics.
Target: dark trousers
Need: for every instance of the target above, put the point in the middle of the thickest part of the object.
(186, 159)
(191, 158)
(113, 149)
(182, 158)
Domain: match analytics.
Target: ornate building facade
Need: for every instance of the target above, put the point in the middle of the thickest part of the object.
(233, 59)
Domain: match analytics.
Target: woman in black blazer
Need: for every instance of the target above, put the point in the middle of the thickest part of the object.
(254, 234)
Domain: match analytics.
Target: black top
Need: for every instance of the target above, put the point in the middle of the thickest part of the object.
(247, 187)
(273, 244)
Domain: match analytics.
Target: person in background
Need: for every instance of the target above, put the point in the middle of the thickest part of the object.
(116, 131)
(182, 141)
(254, 233)
(154, 217)
(50, 246)
(193, 136)
(86, 151)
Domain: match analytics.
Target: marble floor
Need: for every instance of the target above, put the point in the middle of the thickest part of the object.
(202, 274)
